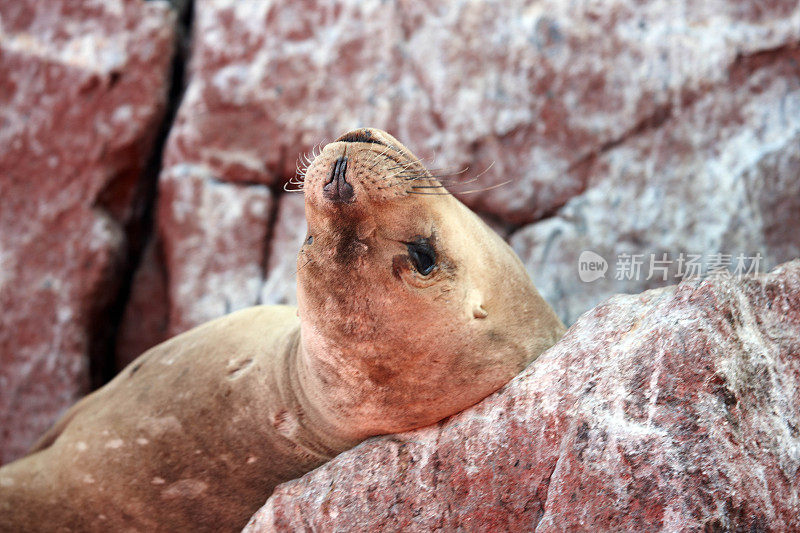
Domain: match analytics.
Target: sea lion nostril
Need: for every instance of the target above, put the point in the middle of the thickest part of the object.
(337, 189)
(359, 136)
(337, 171)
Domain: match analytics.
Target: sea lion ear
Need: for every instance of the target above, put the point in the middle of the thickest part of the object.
(475, 302)
(479, 312)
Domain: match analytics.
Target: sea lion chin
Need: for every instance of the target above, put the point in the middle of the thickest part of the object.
(410, 310)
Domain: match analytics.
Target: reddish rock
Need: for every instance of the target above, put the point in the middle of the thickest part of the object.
(532, 90)
(214, 236)
(673, 410)
(208, 258)
(719, 176)
(288, 234)
(82, 94)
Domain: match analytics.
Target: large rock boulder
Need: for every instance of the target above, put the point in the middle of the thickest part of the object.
(676, 409)
(82, 94)
(538, 89)
(716, 177)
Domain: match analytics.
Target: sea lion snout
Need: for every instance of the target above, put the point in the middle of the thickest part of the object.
(360, 168)
(363, 135)
(336, 189)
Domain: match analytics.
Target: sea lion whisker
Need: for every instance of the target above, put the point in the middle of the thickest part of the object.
(447, 171)
(375, 160)
(392, 184)
(317, 149)
(485, 188)
(402, 167)
(445, 176)
(485, 170)
(427, 174)
(285, 188)
(379, 155)
(301, 267)
(457, 183)
(415, 176)
(433, 157)
(403, 182)
(391, 176)
(473, 179)
(387, 178)
(429, 193)
(300, 175)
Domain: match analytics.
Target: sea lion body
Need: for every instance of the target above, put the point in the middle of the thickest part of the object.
(153, 442)
(410, 310)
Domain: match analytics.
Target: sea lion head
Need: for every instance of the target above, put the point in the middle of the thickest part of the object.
(407, 299)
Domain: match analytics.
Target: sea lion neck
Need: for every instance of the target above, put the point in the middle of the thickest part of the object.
(317, 431)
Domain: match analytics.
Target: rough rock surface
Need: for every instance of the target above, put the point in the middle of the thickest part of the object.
(673, 410)
(146, 319)
(219, 276)
(214, 236)
(82, 92)
(538, 89)
(289, 231)
(719, 175)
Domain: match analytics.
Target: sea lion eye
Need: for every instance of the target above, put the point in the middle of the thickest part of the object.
(422, 255)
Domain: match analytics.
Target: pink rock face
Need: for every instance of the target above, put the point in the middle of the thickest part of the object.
(673, 410)
(222, 256)
(82, 93)
(288, 233)
(719, 175)
(214, 236)
(534, 91)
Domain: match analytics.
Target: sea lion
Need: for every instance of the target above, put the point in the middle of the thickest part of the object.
(410, 309)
